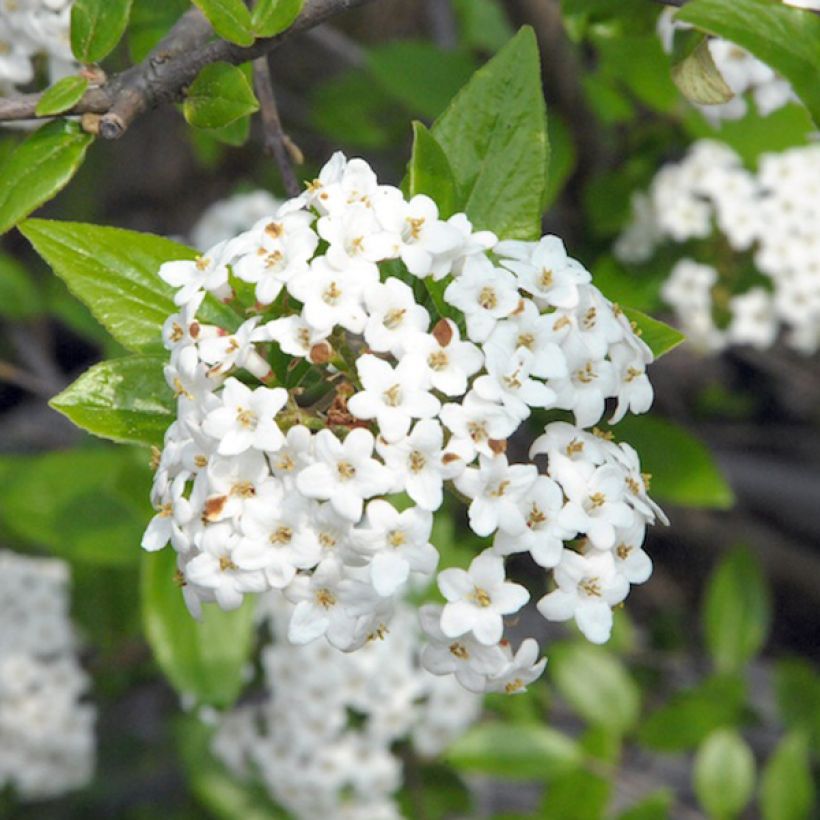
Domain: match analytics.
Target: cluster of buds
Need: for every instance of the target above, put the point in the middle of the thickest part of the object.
(315, 437)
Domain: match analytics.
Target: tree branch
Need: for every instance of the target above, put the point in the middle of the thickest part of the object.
(170, 68)
(277, 142)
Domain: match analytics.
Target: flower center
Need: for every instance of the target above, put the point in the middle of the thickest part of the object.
(481, 597)
(203, 263)
(591, 587)
(632, 373)
(499, 489)
(325, 598)
(588, 322)
(331, 294)
(246, 418)
(283, 535)
(345, 470)
(415, 226)
(417, 461)
(623, 551)
(225, 564)
(526, 340)
(587, 374)
(459, 650)
(536, 517)
(244, 489)
(438, 360)
(515, 685)
(477, 430)
(597, 499)
(487, 298)
(396, 538)
(286, 463)
(575, 446)
(166, 510)
(177, 332)
(274, 229)
(394, 318)
(392, 396)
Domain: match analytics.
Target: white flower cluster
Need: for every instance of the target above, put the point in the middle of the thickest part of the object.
(30, 29)
(322, 741)
(262, 487)
(768, 276)
(742, 72)
(228, 217)
(46, 730)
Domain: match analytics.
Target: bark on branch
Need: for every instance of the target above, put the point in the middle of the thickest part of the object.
(170, 68)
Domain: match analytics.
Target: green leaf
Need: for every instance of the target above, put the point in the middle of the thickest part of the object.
(797, 689)
(218, 96)
(19, 298)
(562, 159)
(527, 752)
(787, 786)
(596, 685)
(697, 76)
(64, 94)
(724, 774)
(682, 468)
(655, 807)
(660, 337)
(737, 611)
(495, 135)
(782, 37)
(39, 168)
(271, 17)
(442, 794)
(691, 714)
(115, 273)
(96, 27)
(420, 75)
(203, 659)
(483, 24)
(230, 19)
(429, 171)
(577, 795)
(82, 505)
(122, 399)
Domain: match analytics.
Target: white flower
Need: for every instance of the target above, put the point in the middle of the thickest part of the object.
(595, 504)
(508, 382)
(544, 270)
(496, 488)
(392, 396)
(484, 294)
(295, 454)
(544, 535)
(630, 559)
(450, 361)
(396, 544)
(634, 390)
(236, 349)
(523, 668)
(246, 418)
(476, 424)
(589, 383)
(318, 605)
(420, 463)
(588, 588)
(469, 660)
(232, 481)
(394, 318)
(208, 273)
(169, 522)
(295, 336)
(754, 321)
(478, 598)
(344, 472)
(570, 441)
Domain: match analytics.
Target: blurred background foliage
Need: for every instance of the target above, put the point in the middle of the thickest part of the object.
(707, 700)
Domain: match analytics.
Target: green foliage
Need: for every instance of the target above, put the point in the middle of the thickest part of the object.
(527, 752)
(204, 659)
(627, 287)
(596, 685)
(696, 74)
(96, 27)
(495, 136)
(19, 298)
(220, 95)
(440, 793)
(563, 158)
(660, 337)
(64, 94)
(782, 37)
(577, 795)
(81, 505)
(39, 168)
(429, 171)
(483, 24)
(786, 785)
(737, 611)
(122, 399)
(419, 75)
(682, 468)
(655, 807)
(270, 17)
(691, 714)
(150, 22)
(797, 688)
(230, 19)
(724, 774)
(114, 272)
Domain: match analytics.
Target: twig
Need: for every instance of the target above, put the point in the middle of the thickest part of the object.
(442, 23)
(170, 68)
(277, 142)
(11, 374)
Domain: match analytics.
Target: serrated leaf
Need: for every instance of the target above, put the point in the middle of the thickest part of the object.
(682, 469)
(784, 38)
(203, 659)
(691, 714)
(737, 611)
(39, 168)
(698, 78)
(220, 95)
(521, 752)
(596, 685)
(230, 19)
(724, 773)
(787, 788)
(270, 17)
(82, 505)
(494, 134)
(115, 273)
(121, 399)
(19, 298)
(64, 94)
(660, 337)
(96, 27)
